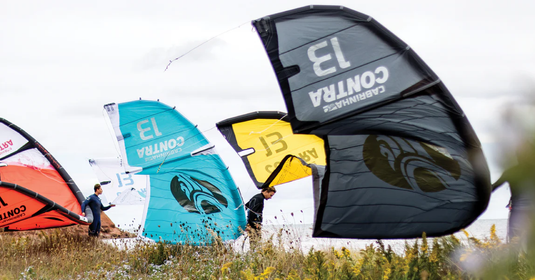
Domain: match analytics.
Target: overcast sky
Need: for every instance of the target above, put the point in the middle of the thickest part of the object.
(61, 61)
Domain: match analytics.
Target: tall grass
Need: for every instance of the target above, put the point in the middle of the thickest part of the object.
(62, 255)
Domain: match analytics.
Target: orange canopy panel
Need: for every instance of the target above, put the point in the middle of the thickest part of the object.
(35, 190)
(46, 182)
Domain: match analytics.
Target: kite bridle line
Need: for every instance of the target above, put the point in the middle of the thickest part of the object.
(179, 57)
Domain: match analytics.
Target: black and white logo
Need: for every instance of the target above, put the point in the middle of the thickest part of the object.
(197, 196)
(410, 164)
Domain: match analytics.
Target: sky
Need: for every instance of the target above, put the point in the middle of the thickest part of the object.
(62, 61)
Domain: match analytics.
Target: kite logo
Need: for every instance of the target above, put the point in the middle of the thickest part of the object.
(147, 129)
(161, 148)
(6, 145)
(142, 192)
(279, 140)
(197, 196)
(344, 90)
(409, 164)
(353, 99)
(155, 150)
(311, 52)
(121, 179)
(2, 202)
(13, 213)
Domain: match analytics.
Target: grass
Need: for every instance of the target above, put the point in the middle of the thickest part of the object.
(61, 254)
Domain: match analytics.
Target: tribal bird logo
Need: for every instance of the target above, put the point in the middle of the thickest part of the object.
(197, 196)
(410, 164)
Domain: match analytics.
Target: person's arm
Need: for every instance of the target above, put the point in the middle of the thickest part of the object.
(500, 181)
(84, 204)
(104, 208)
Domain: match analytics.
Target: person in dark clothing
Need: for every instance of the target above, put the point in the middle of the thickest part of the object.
(509, 207)
(521, 179)
(255, 207)
(96, 205)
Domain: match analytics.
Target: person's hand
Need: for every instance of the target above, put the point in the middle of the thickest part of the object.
(112, 205)
(83, 214)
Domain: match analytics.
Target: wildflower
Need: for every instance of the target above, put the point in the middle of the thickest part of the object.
(226, 268)
(493, 236)
(424, 244)
(493, 231)
(345, 252)
(408, 253)
(247, 274)
(336, 254)
(358, 266)
(405, 269)
(434, 254)
(266, 273)
(387, 272)
(293, 275)
(454, 238)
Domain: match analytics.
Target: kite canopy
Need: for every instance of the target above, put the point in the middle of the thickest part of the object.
(192, 197)
(402, 158)
(271, 152)
(35, 191)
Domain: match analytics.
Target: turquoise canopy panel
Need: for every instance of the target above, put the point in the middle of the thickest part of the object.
(192, 197)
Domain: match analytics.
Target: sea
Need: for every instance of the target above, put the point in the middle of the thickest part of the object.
(299, 237)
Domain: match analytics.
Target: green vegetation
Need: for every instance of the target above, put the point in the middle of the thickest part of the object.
(63, 255)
